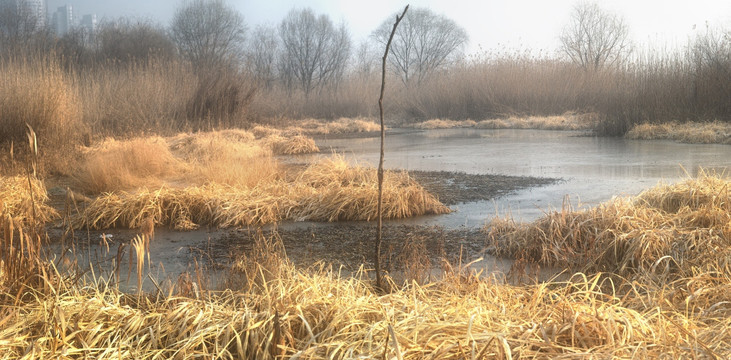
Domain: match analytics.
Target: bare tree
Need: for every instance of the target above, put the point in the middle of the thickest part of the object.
(365, 61)
(314, 51)
(262, 55)
(423, 43)
(126, 40)
(208, 32)
(22, 27)
(595, 38)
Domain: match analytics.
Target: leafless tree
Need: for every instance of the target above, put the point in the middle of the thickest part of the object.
(21, 27)
(126, 40)
(262, 54)
(595, 38)
(208, 32)
(423, 43)
(314, 51)
(365, 61)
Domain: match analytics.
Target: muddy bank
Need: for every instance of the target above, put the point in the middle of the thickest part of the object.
(453, 188)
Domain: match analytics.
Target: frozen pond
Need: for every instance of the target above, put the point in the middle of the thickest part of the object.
(592, 169)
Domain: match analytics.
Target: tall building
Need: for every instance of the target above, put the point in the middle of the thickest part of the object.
(88, 22)
(63, 19)
(34, 10)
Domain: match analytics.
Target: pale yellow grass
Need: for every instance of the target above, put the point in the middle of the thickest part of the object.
(16, 200)
(319, 127)
(228, 157)
(689, 132)
(444, 124)
(567, 121)
(284, 312)
(121, 165)
(330, 190)
(679, 229)
(291, 145)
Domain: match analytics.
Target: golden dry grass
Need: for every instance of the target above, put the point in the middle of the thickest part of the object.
(690, 132)
(444, 124)
(567, 121)
(284, 312)
(230, 157)
(121, 165)
(274, 310)
(38, 92)
(15, 200)
(330, 190)
(292, 145)
(319, 127)
(671, 229)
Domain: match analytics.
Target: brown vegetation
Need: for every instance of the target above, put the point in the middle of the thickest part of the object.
(670, 230)
(277, 310)
(330, 190)
(692, 132)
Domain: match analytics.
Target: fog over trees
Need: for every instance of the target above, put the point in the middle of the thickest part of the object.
(208, 32)
(423, 43)
(595, 38)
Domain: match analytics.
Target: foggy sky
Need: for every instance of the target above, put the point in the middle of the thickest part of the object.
(491, 24)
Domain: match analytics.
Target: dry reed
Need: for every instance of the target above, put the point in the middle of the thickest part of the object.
(330, 190)
(675, 228)
(318, 314)
(715, 132)
(16, 202)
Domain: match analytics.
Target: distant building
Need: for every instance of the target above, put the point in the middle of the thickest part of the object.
(88, 22)
(28, 9)
(63, 19)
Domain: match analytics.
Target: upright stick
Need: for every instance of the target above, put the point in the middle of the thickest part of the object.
(377, 255)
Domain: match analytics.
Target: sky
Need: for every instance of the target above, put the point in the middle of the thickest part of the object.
(491, 24)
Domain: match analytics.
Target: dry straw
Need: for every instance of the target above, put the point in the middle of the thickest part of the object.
(15, 199)
(284, 312)
(715, 132)
(330, 190)
(677, 228)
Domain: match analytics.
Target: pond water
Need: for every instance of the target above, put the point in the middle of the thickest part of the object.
(592, 169)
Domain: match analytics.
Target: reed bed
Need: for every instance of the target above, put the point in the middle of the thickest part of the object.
(672, 230)
(444, 124)
(319, 127)
(293, 145)
(116, 165)
(230, 157)
(566, 121)
(284, 312)
(330, 190)
(25, 201)
(715, 132)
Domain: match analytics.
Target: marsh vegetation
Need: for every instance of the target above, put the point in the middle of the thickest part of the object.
(135, 127)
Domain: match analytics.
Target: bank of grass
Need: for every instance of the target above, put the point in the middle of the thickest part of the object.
(273, 310)
(566, 121)
(672, 231)
(311, 126)
(715, 132)
(25, 201)
(329, 190)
